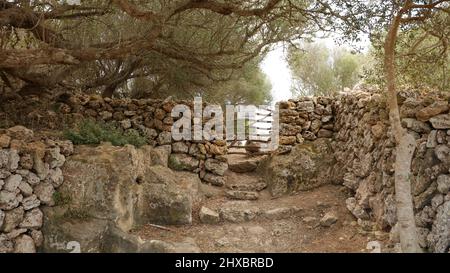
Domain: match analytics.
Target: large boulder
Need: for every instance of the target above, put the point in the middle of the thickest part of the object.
(308, 165)
(168, 196)
(107, 188)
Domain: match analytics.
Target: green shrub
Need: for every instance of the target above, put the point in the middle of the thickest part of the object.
(93, 132)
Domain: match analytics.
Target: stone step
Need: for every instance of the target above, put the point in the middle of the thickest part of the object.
(242, 195)
(257, 187)
(243, 163)
(243, 211)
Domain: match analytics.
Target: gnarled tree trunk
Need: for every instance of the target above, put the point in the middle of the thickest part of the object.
(405, 148)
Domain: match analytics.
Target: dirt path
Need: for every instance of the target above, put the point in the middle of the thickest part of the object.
(287, 224)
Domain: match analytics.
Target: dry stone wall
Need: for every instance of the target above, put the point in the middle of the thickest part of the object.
(152, 119)
(356, 125)
(365, 152)
(30, 171)
(364, 149)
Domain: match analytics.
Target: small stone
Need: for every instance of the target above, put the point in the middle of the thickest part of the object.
(180, 147)
(208, 216)
(25, 189)
(242, 195)
(416, 126)
(16, 233)
(432, 110)
(437, 200)
(38, 237)
(32, 219)
(443, 184)
(431, 140)
(105, 115)
(20, 133)
(55, 158)
(12, 183)
(441, 121)
(165, 138)
(26, 162)
(328, 219)
(24, 244)
(13, 161)
(8, 200)
(324, 133)
(215, 180)
(443, 153)
(66, 147)
(305, 106)
(309, 220)
(44, 191)
(12, 219)
(278, 213)
(5, 140)
(288, 140)
(31, 202)
(32, 179)
(378, 130)
(6, 245)
(216, 166)
(55, 177)
(125, 124)
(183, 162)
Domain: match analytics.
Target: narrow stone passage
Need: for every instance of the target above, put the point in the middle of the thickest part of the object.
(230, 221)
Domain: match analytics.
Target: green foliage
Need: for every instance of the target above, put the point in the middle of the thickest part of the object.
(92, 132)
(422, 61)
(317, 70)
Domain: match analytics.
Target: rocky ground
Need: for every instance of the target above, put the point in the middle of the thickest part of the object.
(309, 221)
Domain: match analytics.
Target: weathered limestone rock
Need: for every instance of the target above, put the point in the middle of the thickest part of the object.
(12, 219)
(24, 244)
(328, 219)
(180, 148)
(160, 155)
(312, 168)
(215, 180)
(20, 133)
(439, 237)
(216, 166)
(25, 189)
(183, 162)
(441, 121)
(6, 245)
(165, 138)
(416, 126)
(167, 197)
(278, 213)
(5, 140)
(238, 212)
(12, 183)
(109, 184)
(208, 216)
(432, 110)
(443, 153)
(32, 219)
(242, 195)
(8, 200)
(31, 202)
(443, 184)
(244, 165)
(45, 191)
